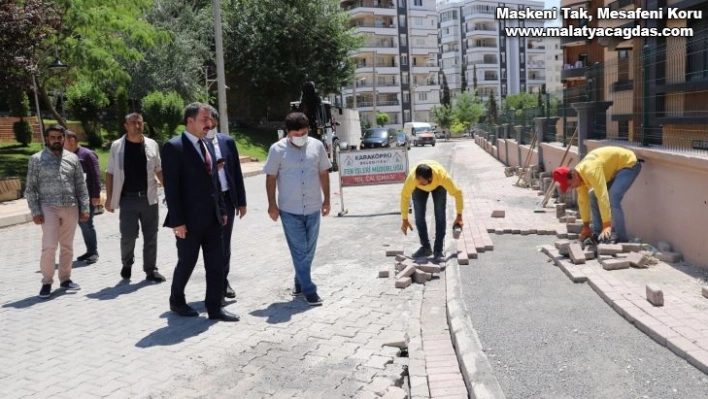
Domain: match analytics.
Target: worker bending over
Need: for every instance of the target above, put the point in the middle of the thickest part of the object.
(429, 177)
(601, 178)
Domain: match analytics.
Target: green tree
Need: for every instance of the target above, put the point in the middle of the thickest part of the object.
(463, 81)
(86, 102)
(443, 116)
(276, 45)
(467, 110)
(520, 101)
(382, 118)
(162, 113)
(474, 79)
(458, 127)
(492, 109)
(21, 129)
(445, 97)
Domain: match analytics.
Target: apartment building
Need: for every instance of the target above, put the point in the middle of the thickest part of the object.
(554, 64)
(397, 67)
(472, 41)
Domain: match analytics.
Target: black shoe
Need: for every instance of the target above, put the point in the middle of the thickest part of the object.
(126, 272)
(313, 300)
(224, 315)
(423, 252)
(46, 291)
(297, 290)
(84, 257)
(184, 310)
(155, 277)
(228, 291)
(70, 286)
(91, 259)
(438, 257)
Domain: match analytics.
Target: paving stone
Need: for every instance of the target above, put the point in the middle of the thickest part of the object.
(395, 393)
(655, 295)
(704, 291)
(577, 255)
(421, 277)
(401, 258)
(669, 257)
(574, 228)
(394, 252)
(498, 213)
(404, 282)
(383, 272)
(573, 236)
(615, 264)
(589, 254)
(429, 268)
(563, 247)
(637, 259)
(560, 210)
(407, 272)
(396, 339)
(609, 249)
(631, 247)
(663, 246)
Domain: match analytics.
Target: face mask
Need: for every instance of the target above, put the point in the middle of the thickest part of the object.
(211, 134)
(299, 141)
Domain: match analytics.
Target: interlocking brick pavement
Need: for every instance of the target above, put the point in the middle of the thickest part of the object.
(118, 339)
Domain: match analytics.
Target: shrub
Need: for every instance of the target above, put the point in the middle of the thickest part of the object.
(86, 103)
(162, 113)
(23, 132)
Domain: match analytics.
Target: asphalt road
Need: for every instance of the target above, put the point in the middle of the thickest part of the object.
(549, 338)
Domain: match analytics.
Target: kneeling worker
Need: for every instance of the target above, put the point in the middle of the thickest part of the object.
(601, 178)
(429, 177)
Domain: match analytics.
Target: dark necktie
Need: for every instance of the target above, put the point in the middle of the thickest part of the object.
(205, 154)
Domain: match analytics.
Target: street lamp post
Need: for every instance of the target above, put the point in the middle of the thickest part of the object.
(39, 112)
(220, 73)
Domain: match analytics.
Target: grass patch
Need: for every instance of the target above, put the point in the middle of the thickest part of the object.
(254, 142)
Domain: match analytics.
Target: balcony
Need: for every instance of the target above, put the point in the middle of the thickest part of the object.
(485, 60)
(369, 4)
(573, 73)
(619, 4)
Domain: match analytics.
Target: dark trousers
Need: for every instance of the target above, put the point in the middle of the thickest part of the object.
(136, 213)
(88, 231)
(228, 229)
(210, 240)
(420, 202)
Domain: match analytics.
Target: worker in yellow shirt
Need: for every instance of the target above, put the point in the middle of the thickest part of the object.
(602, 178)
(429, 177)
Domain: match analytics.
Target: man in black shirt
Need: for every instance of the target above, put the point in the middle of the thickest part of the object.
(133, 166)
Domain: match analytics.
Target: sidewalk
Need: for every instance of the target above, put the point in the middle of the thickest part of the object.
(16, 212)
(681, 324)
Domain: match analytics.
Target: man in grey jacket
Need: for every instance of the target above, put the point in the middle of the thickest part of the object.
(55, 189)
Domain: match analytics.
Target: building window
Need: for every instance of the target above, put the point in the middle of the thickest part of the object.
(697, 51)
(418, 21)
(404, 78)
(423, 96)
(406, 96)
(623, 130)
(623, 65)
(402, 21)
(404, 59)
(407, 115)
(404, 40)
(418, 3)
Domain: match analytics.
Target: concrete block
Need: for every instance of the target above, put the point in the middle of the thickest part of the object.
(655, 295)
(383, 272)
(615, 264)
(562, 235)
(421, 277)
(396, 339)
(401, 258)
(577, 255)
(704, 291)
(663, 246)
(399, 266)
(407, 272)
(498, 213)
(575, 228)
(456, 232)
(573, 236)
(638, 260)
(609, 249)
(429, 268)
(560, 210)
(589, 254)
(563, 247)
(394, 252)
(403, 282)
(669, 257)
(631, 247)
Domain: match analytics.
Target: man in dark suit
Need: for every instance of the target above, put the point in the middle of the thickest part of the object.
(232, 189)
(195, 211)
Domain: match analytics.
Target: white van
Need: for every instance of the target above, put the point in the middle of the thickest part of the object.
(419, 133)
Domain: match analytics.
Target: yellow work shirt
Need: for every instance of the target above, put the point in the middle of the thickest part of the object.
(597, 169)
(440, 178)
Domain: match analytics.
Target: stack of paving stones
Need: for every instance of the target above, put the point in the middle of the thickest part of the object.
(407, 271)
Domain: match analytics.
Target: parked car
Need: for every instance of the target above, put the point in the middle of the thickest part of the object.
(402, 140)
(420, 132)
(379, 137)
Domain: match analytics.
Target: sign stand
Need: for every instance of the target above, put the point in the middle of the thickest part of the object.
(394, 162)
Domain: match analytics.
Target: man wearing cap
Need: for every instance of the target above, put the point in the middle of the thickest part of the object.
(601, 178)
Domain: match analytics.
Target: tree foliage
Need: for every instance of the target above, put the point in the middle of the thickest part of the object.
(382, 118)
(520, 101)
(492, 109)
(463, 80)
(467, 110)
(443, 116)
(85, 102)
(163, 113)
(276, 45)
(445, 97)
